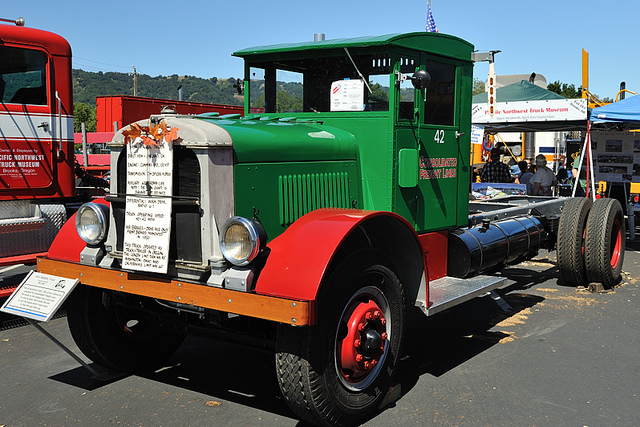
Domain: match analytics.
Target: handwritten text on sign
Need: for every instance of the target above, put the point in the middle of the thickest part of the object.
(148, 215)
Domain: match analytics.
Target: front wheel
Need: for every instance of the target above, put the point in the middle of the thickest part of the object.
(119, 332)
(338, 372)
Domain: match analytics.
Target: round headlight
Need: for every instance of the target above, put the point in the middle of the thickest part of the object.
(241, 240)
(91, 222)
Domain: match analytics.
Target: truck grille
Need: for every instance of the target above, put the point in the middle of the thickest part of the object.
(185, 243)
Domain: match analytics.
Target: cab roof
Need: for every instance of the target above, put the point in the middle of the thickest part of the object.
(15, 35)
(436, 43)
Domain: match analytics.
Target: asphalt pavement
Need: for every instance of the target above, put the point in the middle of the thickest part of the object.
(561, 356)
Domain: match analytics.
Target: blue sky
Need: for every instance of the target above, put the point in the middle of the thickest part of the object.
(197, 38)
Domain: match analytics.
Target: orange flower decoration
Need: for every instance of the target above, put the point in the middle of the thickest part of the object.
(151, 136)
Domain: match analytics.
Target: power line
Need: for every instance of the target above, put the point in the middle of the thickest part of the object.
(101, 63)
(88, 68)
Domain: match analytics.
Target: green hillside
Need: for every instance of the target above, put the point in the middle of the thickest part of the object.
(88, 85)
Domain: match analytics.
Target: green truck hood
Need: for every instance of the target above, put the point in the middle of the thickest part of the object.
(257, 140)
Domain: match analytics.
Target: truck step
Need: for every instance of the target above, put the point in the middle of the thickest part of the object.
(448, 292)
(5, 291)
(15, 225)
(21, 259)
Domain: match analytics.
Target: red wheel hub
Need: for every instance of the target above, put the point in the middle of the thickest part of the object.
(616, 244)
(362, 348)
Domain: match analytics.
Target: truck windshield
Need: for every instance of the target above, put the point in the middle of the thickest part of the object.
(306, 85)
(22, 76)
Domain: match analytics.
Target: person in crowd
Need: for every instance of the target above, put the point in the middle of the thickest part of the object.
(525, 174)
(579, 177)
(563, 176)
(515, 172)
(544, 180)
(495, 170)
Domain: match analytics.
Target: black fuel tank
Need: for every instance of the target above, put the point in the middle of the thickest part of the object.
(477, 249)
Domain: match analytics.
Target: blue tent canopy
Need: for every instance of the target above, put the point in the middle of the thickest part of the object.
(627, 110)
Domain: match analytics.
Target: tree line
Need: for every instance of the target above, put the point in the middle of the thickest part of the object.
(88, 85)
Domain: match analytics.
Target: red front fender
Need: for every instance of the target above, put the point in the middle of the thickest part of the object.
(67, 245)
(299, 257)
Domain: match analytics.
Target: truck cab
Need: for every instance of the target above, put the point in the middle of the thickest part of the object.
(409, 141)
(36, 140)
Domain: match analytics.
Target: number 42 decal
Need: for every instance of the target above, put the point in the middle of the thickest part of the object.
(439, 136)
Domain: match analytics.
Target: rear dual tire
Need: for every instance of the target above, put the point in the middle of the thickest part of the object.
(571, 243)
(591, 241)
(604, 242)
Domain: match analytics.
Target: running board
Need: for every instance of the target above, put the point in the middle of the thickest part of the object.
(448, 292)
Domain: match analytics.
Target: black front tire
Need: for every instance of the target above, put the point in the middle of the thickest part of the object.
(337, 372)
(119, 337)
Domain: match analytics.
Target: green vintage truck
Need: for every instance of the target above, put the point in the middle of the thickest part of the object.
(311, 224)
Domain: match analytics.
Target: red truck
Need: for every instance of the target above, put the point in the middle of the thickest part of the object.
(36, 140)
(37, 163)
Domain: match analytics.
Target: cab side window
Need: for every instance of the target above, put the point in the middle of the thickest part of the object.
(406, 94)
(440, 102)
(22, 76)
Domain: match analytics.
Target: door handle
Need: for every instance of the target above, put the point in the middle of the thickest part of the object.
(459, 134)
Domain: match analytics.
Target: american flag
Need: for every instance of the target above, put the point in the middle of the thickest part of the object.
(431, 24)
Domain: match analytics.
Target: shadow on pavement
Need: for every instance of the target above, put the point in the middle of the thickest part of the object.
(227, 371)
(82, 378)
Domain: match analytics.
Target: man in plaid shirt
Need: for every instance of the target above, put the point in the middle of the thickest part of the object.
(495, 170)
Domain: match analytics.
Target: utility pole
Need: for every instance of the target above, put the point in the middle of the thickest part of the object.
(135, 81)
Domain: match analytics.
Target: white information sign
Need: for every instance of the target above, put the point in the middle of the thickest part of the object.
(616, 156)
(39, 296)
(552, 110)
(148, 215)
(347, 95)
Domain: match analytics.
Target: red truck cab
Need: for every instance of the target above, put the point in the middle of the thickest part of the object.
(36, 140)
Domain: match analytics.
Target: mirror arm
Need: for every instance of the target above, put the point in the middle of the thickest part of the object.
(400, 78)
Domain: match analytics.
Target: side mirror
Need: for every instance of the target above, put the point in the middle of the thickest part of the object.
(421, 79)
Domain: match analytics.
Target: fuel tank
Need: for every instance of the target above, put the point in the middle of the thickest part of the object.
(477, 249)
